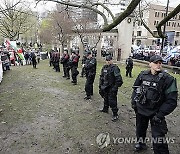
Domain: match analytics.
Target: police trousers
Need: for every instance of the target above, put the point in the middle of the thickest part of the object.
(159, 130)
(129, 71)
(74, 73)
(110, 100)
(34, 63)
(65, 70)
(89, 84)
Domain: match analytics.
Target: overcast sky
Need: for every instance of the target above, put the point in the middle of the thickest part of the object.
(41, 7)
(172, 3)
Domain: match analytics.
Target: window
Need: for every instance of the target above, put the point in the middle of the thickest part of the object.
(177, 34)
(168, 24)
(176, 42)
(123, 4)
(153, 42)
(156, 14)
(173, 24)
(139, 23)
(138, 42)
(139, 33)
(162, 15)
(134, 23)
(175, 17)
(155, 32)
(155, 23)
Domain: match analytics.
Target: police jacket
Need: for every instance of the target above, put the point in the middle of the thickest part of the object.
(129, 62)
(155, 94)
(73, 61)
(64, 58)
(90, 66)
(84, 58)
(110, 77)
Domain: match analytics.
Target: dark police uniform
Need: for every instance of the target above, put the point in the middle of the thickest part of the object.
(129, 67)
(64, 61)
(56, 62)
(33, 56)
(154, 97)
(90, 69)
(110, 80)
(74, 65)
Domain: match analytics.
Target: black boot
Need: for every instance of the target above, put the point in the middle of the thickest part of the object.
(115, 118)
(104, 110)
(140, 147)
(87, 97)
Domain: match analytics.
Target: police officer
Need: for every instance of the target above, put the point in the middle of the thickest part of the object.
(110, 80)
(154, 96)
(90, 69)
(64, 61)
(74, 65)
(56, 62)
(33, 56)
(129, 66)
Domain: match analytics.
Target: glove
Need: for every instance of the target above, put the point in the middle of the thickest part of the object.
(156, 120)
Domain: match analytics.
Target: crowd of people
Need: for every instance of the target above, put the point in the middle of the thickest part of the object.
(173, 61)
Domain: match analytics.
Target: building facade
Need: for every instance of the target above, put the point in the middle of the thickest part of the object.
(152, 17)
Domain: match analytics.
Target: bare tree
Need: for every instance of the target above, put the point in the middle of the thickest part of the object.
(15, 19)
(10, 7)
(83, 29)
(62, 26)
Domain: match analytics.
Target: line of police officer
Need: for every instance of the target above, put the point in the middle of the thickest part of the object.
(110, 78)
(70, 63)
(154, 96)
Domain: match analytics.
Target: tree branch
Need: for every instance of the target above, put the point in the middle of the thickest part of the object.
(144, 24)
(123, 15)
(106, 8)
(167, 18)
(81, 6)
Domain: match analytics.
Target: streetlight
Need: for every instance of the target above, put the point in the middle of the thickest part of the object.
(164, 29)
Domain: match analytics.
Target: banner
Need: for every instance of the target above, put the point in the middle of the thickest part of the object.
(10, 45)
(21, 56)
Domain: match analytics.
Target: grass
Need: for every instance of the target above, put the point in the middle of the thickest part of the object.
(44, 113)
